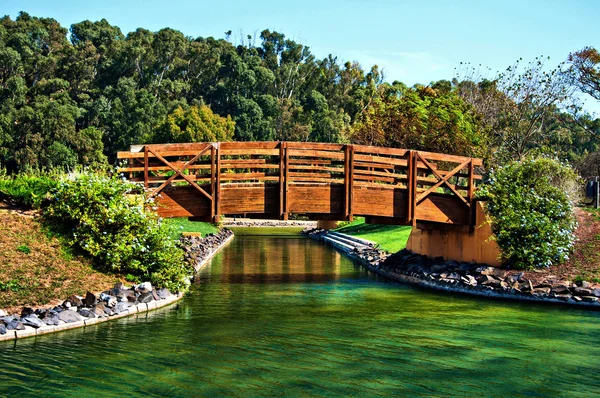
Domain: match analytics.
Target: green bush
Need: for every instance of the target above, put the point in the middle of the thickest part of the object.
(116, 229)
(28, 190)
(531, 211)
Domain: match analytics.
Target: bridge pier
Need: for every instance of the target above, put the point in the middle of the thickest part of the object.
(326, 224)
(459, 244)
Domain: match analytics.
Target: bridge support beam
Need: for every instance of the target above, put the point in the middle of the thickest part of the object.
(460, 244)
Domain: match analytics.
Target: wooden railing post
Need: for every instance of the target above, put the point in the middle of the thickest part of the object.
(213, 185)
(145, 166)
(286, 183)
(410, 195)
(471, 194)
(348, 180)
(414, 172)
(217, 197)
(281, 179)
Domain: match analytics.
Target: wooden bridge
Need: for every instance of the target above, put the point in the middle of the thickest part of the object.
(322, 181)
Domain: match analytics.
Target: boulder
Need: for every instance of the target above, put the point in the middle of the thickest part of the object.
(164, 293)
(90, 299)
(3, 329)
(155, 295)
(15, 324)
(26, 311)
(596, 292)
(561, 289)
(75, 301)
(2, 313)
(144, 287)
(126, 295)
(582, 291)
(485, 270)
(146, 297)
(69, 316)
(51, 319)
(121, 306)
(109, 300)
(590, 299)
(86, 312)
(33, 321)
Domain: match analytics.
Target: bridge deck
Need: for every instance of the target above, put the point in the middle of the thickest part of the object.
(323, 181)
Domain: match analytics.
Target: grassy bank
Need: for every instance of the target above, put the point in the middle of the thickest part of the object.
(390, 238)
(37, 269)
(179, 225)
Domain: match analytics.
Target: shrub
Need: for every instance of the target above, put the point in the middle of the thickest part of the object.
(28, 190)
(531, 211)
(117, 230)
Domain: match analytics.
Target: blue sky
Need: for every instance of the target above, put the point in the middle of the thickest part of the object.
(413, 41)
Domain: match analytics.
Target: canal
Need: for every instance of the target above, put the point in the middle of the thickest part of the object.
(288, 316)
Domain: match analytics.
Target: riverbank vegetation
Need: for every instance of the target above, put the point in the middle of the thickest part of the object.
(531, 207)
(38, 267)
(108, 220)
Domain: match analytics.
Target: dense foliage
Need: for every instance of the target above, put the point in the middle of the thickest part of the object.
(27, 190)
(532, 216)
(116, 230)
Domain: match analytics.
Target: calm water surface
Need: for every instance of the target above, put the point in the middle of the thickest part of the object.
(290, 317)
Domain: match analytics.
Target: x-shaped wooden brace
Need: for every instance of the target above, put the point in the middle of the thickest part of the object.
(442, 180)
(179, 172)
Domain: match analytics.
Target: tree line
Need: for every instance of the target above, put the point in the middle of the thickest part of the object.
(77, 96)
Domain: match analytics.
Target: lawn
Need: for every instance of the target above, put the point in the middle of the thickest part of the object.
(390, 238)
(184, 225)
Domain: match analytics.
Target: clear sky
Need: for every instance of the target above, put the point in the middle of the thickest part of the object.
(413, 41)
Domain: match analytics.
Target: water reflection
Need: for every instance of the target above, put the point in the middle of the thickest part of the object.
(276, 260)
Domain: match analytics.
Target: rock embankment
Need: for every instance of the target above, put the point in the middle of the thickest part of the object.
(77, 311)
(199, 250)
(470, 278)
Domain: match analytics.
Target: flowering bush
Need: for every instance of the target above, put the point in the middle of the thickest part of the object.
(532, 211)
(117, 229)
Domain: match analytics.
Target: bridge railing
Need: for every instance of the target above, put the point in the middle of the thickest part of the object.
(295, 174)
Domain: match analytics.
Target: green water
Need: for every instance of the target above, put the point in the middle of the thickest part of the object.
(289, 317)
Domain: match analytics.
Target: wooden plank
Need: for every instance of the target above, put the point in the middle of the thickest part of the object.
(320, 146)
(314, 179)
(249, 176)
(234, 145)
(318, 168)
(440, 157)
(379, 150)
(190, 147)
(316, 154)
(250, 151)
(314, 161)
(373, 173)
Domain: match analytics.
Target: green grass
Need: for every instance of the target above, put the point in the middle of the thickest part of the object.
(391, 238)
(180, 225)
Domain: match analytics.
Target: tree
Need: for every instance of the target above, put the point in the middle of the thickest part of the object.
(196, 124)
(420, 118)
(585, 70)
(516, 105)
